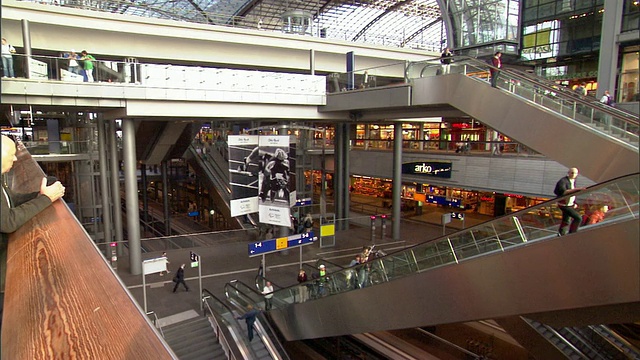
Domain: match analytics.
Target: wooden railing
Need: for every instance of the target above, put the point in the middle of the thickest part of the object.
(62, 299)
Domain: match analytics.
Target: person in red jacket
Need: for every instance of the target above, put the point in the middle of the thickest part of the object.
(497, 63)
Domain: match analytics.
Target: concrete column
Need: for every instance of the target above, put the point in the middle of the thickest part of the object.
(166, 187)
(115, 186)
(346, 178)
(609, 48)
(131, 195)
(312, 62)
(145, 199)
(397, 180)
(338, 173)
(104, 184)
(26, 42)
(53, 136)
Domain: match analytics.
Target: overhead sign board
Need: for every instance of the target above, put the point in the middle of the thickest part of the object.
(278, 244)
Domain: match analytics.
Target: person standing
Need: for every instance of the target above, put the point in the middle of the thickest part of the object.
(571, 218)
(445, 59)
(250, 318)
(267, 291)
(179, 279)
(7, 58)
(17, 209)
(74, 67)
(606, 98)
(496, 61)
(88, 65)
(304, 291)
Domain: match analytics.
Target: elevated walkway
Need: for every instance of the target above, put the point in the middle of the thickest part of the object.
(513, 265)
(601, 142)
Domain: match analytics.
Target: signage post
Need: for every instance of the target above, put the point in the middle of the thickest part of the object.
(195, 262)
(446, 218)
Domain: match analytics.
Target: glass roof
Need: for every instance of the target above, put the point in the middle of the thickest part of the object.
(402, 23)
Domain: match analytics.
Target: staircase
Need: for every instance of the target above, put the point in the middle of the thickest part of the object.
(193, 339)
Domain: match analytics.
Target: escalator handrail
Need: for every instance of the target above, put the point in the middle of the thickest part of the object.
(274, 343)
(572, 94)
(629, 210)
(237, 352)
(559, 91)
(612, 337)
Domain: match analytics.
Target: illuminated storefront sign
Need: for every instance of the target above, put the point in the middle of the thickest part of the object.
(428, 168)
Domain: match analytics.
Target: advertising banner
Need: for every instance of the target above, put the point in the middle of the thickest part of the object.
(262, 177)
(243, 175)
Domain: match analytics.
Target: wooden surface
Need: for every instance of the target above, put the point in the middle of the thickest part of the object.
(62, 299)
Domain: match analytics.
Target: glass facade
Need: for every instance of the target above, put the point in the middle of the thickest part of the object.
(628, 89)
(478, 22)
(557, 29)
(631, 15)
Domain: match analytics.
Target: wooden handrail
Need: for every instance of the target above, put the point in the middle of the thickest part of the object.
(62, 299)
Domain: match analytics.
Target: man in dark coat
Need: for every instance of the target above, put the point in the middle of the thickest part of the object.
(571, 218)
(179, 279)
(250, 318)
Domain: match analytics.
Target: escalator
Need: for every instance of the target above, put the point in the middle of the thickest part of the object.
(601, 141)
(213, 168)
(511, 266)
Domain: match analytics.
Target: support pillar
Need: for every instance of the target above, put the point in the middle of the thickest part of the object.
(165, 198)
(608, 58)
(104, 185)
(131, 195)
(115, 186)
(397, 180)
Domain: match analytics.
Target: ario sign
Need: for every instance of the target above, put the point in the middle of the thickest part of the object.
(428, 168)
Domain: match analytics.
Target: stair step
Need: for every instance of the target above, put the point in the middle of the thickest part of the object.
(204, 353)
(195, 343)
(187, 335)
(186, 322)
(187, 325)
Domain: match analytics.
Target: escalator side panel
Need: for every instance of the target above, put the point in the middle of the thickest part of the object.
(598, 156)
(571, 272)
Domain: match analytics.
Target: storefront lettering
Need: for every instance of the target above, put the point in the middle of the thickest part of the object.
(439, 169)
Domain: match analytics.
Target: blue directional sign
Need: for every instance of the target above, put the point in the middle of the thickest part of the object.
(278, 244)
(459, 216)
(302, 202)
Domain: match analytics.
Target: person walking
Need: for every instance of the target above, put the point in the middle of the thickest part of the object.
(495, 145)
(166, 264)
(571, 218)
(250, 318)
(179, 279)
(7, 58)
(496, 61)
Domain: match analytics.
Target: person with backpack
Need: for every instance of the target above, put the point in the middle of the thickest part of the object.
(308, 223)
(606, 98)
